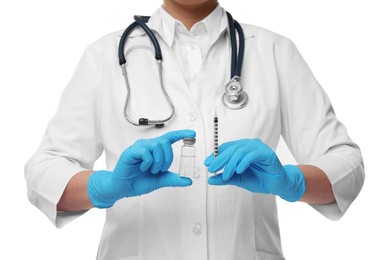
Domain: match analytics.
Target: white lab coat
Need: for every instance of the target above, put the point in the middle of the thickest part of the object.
(200, 221)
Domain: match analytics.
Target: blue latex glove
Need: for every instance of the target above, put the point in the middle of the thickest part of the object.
(252, 165)
(142, 168)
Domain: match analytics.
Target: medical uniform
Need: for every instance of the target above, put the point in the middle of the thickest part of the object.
(200, 221)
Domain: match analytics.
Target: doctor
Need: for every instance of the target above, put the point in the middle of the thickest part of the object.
(152, 212)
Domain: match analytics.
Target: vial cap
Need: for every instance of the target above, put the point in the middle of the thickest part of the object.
(189, 141)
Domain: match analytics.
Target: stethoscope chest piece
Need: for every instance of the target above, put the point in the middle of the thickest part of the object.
(234, 96)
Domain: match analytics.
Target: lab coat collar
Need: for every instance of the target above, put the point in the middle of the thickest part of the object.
(166, 25)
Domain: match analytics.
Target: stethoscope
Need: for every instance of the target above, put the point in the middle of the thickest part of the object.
(234, 96)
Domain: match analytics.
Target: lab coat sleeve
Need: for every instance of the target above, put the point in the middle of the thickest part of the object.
(71, 143)
(312, 131)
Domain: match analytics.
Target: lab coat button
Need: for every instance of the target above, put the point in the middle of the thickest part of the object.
(197, 229)
(196, 173)
(192, 116)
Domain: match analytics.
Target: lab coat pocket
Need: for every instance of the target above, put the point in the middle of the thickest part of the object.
(234, 223)
(267, 256)
(121, 234)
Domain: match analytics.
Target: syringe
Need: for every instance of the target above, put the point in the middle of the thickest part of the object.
(215, 133)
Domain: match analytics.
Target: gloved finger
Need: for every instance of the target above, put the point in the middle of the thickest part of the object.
(221, 149)
(170, 179)
(226, 145)
(158, 158)
(236, 180)
(217, 180)
(218, 163)
(147, 160)
(231, 166)
(265, 155)
(246, 161)
(209, 160)
(222, 159)
(132, 156)
(168, 155)
(265, 160)
(273, 165)
(175, 136)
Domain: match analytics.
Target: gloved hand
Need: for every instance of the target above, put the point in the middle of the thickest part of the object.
(142, 168)
(252, 165)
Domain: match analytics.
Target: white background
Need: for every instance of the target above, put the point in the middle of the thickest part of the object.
(346, 44)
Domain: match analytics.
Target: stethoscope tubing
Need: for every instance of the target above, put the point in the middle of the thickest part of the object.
(233, 43)
(152, 37)
(241, 48)
(235, 70)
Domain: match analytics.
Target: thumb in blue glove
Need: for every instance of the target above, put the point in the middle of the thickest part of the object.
(252, 165)
(141, 168)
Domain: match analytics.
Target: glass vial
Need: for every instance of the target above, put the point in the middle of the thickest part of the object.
(187, 157)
